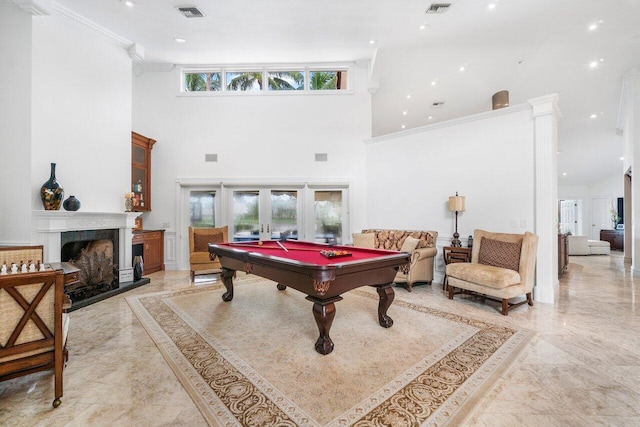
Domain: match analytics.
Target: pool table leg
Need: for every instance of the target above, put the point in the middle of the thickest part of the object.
(324, 315)
(386, 295)
(227, 280)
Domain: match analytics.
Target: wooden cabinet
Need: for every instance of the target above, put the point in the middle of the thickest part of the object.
(150, 245)
(141, 171)
(563, 254)
(614, 237)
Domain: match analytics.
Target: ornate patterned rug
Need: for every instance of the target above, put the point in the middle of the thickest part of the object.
(252, 361)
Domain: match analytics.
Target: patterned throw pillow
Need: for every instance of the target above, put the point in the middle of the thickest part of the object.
(500, 254)
(201, 241)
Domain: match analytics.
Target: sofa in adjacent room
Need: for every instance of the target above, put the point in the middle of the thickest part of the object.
(581, 245)
(421, 245)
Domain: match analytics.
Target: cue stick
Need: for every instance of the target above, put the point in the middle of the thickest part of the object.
(282, 246)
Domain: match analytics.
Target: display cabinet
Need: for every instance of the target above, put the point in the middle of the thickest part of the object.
(141, 171)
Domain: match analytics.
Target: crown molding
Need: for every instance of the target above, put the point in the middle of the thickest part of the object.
(34, 7)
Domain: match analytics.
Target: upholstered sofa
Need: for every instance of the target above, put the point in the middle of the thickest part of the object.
(581, 245)
(421, 244)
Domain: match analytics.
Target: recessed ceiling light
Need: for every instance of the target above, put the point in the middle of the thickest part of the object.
(422, 27)
(593, 27)
(491, 6)
(462, 68)
(372, 41)
(404, 113)
(593, 116)
(129, 3)
(564, 174)
(404, 126)
(409, 96)
(430, 118)
(179, 40)
(621, 158)
(434, 82)
(593, 64)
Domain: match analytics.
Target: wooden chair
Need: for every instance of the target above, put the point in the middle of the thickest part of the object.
(199, 239)
(33, 325)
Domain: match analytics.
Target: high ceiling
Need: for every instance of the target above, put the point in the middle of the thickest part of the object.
(528, 47)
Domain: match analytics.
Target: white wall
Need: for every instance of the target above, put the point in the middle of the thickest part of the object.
(488, 159)
(15, 125)
(81, 114)
(257, 137)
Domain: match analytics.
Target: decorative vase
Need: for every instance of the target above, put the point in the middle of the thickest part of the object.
(52, 192)
(137, 267)
(71, 204)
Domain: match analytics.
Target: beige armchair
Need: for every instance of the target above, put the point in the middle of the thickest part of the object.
(502, 266)
(199, 239)
(33, 326)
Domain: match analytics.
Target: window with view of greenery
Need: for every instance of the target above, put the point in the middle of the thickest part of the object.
(286, 80)
(247, 81)
(202, 82)
(202, 208)
(327, 80)
(254, 80)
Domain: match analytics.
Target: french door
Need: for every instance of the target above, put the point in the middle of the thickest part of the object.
(265, 214)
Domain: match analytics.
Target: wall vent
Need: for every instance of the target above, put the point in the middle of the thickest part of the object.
(437, 104)
(190, 11)
(438, 7)
(321, 157)
(210, 157)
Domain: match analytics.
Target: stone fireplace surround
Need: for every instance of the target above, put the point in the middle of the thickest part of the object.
(48, 227)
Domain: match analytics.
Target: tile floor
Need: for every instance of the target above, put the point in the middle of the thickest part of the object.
(582, 368)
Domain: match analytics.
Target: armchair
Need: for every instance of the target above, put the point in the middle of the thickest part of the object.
(502, 266)
(33, 328)
(199, 239)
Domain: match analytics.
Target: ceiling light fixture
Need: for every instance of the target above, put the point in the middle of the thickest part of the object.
(593, 116)
(593, 64)
(129, 3)
(564, 174)
(409, 96)
(434, 82)
(430, 118)
(491, 6)
(372, 41)
(621, 158)
(422, 27)
(462, 68)
(404, 113)
(593, 27)
(404, 126)
(179, 40)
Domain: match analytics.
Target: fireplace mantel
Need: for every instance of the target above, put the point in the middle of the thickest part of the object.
(48, 226)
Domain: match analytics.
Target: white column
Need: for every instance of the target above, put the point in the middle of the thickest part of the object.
(628, 121)
(545, 115)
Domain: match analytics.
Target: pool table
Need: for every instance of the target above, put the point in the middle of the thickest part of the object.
(323, 272)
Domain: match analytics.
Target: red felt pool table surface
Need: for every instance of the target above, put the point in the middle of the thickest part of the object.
(307, 252)
(302, 266)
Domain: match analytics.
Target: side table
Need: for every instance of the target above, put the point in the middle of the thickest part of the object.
(454, 254)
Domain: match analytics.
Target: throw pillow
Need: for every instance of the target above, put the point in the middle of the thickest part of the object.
(201, 241)
(409, 244)
(500, 254)
(364, 240)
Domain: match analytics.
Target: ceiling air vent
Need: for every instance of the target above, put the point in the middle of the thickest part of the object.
(438, 7)
(437, 104)
(190, 11)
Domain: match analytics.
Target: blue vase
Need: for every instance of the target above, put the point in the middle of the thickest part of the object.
(52, 192)
(71, 204)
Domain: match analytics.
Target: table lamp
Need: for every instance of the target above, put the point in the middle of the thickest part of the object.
(456, 204)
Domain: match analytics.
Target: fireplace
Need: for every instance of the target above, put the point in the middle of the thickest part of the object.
(98, 243)
(95, 254)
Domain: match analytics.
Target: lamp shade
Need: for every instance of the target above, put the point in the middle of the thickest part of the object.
(456, 203)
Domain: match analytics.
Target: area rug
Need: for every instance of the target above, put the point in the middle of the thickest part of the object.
(252, 361)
